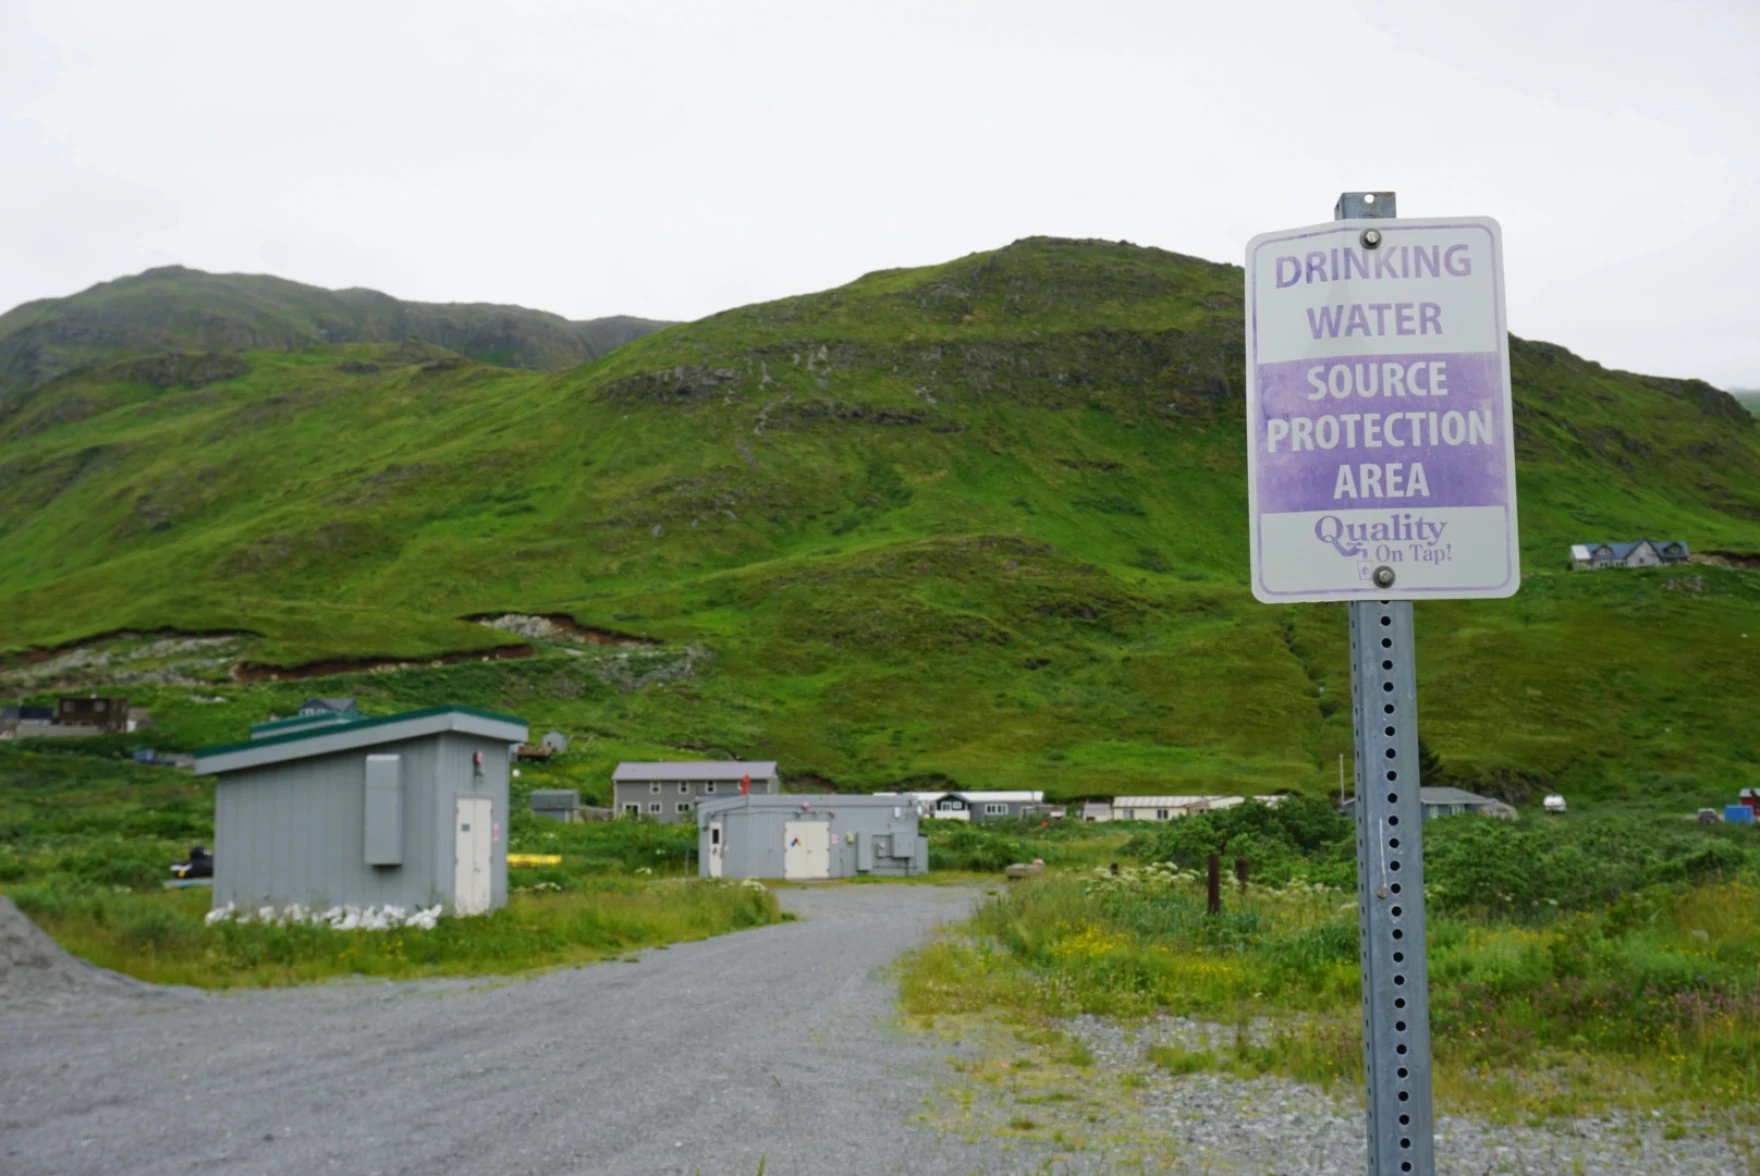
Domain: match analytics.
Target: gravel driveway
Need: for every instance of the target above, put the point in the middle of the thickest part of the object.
(775, 1043)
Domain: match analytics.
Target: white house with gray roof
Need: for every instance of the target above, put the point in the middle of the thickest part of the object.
(1638, 553)
(967, 805)
(669, 792)
(405, 810)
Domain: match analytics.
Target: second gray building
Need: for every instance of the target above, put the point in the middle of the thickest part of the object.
(809, 838)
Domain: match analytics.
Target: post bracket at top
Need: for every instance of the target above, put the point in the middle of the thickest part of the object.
(1364, 205)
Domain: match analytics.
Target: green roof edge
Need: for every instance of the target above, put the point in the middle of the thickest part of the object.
(356, 725)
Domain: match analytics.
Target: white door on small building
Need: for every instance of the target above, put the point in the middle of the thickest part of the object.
(472, 891)
(806, 850)
(715, 848)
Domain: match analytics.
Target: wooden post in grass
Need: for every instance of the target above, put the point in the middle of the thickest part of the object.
(1240, 873)
(1215, 884)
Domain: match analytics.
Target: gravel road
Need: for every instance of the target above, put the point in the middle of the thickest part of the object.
(776, 1043)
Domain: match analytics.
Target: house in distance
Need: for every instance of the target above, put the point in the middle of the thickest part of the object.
(321, 706)
(974, 806)
(669, 792)
(1640, 553)
(1448, 802)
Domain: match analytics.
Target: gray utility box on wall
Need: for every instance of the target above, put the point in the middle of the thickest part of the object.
(407, 810)
(807, 838)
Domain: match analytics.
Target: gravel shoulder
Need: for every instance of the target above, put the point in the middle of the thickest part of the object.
(1116, 1111)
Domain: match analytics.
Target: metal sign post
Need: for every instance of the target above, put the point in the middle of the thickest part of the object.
(1382, 470)
(1390, 863)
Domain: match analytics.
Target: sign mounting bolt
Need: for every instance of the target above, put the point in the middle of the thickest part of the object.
(1383, 577)
(1370, 238)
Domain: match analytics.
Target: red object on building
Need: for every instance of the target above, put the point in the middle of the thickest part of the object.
(745, 785)
(1751, 798)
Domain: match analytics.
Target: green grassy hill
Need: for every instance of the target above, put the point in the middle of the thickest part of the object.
(1748, 398)
(184, 310)
(983, 521)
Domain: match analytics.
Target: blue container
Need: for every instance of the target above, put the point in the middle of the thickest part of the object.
(143, 756)
(1738, 814)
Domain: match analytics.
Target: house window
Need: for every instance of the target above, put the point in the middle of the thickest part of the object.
(996, 810)
(1161, 814)
(654, 807)
(684, 806)
(950, 806)
(632, 810)
(683, 788)
(654, 788)
(709, 788)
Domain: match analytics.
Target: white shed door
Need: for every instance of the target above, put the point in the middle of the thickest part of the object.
(715, 849)
(806, 850)
(471, 890)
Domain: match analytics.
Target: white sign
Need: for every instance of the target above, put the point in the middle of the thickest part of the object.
(1380, 448)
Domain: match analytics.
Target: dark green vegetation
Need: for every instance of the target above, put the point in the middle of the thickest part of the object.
(190, 324)
(980, 523)
(1572, 964)
(86, 841)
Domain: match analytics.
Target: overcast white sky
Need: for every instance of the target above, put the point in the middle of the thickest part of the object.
(671, 158)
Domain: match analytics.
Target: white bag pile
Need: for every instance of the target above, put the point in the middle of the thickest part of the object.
(337, 918)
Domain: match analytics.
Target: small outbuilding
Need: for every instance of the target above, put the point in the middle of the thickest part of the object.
(555, 804)
(810, 838)
(1095, 811)
(406, 810)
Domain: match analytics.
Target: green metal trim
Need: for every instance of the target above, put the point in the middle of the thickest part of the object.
(356, 725)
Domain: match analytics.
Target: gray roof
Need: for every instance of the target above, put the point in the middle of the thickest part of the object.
(331, 704)
(327, 738)
(815, 801)
(685, 770)
(1451, 796)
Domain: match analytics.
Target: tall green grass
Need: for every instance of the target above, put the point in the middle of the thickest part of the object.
(165, 939)
(1652, 999)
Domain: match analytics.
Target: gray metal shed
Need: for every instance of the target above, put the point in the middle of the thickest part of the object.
(407, 810)
(809, 838)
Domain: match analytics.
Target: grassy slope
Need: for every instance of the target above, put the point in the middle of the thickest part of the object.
(982, 519)
(177, 309)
